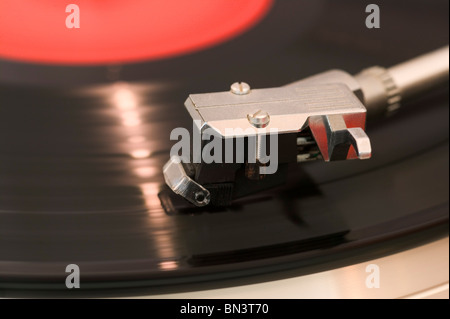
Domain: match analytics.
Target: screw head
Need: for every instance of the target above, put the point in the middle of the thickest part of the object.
(259, 119)
(240, 88)
(201, 198)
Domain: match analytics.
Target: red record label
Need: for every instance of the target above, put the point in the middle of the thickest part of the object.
(113, 31)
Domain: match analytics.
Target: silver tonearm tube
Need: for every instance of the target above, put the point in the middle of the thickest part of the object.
(384, 89)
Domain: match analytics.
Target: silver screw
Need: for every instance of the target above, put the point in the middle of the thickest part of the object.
(259, 119)
(240, 88)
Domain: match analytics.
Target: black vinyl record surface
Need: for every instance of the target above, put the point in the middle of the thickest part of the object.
(82, 150)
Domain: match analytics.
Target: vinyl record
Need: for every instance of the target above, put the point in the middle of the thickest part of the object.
(82, 146)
